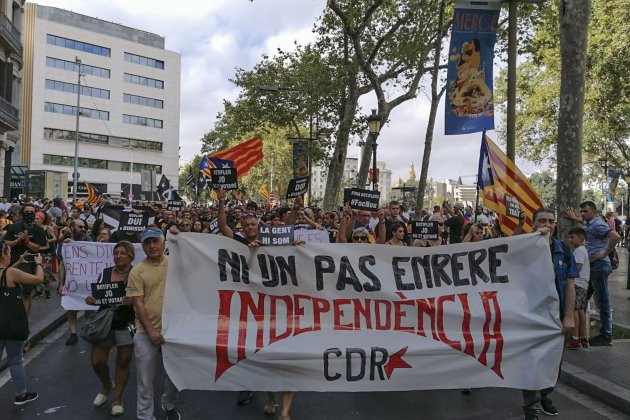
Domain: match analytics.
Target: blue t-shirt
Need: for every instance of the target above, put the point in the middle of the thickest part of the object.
(564, 267)
(596, 240)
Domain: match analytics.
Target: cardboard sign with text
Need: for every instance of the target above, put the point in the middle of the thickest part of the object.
(360, 199)
(297, 187)
(225, 178)
(425, 230)
(512, 207)
(276, 235)
(108, 293)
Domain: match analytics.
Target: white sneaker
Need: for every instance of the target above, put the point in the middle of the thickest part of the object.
(100, 399)
(117, 410)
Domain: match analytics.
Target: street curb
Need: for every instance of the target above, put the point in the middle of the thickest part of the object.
(604, 390)
(41, 330)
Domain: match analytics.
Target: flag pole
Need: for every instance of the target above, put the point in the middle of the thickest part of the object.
(483, 137)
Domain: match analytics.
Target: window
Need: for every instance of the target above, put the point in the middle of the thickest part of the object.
(144, 61)
(141, 144)
(141, 100)
(112, 165)
(144, 81)
(56, 134)
(72, 110)
(78, 45)
(144, 121)
(74, 67)
(72, 88)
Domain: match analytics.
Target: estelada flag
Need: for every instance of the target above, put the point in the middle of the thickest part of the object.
(264, 193)
(244, 156)
(504, 188)
(94, 195)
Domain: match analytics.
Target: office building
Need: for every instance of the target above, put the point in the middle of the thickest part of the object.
(127, 99)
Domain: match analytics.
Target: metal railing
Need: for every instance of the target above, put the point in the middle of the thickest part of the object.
(10, 33)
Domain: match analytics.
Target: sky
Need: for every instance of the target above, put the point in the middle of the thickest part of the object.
(216, 37)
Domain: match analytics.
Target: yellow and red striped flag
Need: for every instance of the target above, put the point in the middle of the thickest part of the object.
(94, 195)
(244, 155)
(504, 188)
(264, 193)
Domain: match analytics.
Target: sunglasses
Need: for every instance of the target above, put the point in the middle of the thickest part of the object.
(360, 238)
(440, 224)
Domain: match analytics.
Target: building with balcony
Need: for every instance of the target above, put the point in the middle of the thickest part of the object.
(123, 85)
(11, 61)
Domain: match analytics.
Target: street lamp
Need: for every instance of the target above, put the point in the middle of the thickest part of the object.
(75, 174)
(374, 126)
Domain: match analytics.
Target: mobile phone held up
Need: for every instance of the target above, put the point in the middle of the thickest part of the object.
(30, 257)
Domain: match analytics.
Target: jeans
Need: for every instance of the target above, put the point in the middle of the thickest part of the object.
(598, 285)
(14, 359)
(148, 358)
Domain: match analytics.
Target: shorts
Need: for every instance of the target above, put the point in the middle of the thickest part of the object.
(115, 338)
(581, 299)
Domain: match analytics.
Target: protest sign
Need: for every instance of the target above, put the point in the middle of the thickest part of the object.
(224, 178)
(512, 207)
(425, 230)
(132, 222)
(175, 205)
(360, 199)
(341, 317)
(312, 236)
(297, 187)
(213, 226)
(84, 262)
(275, 235)
(112, 215)
(108, 293)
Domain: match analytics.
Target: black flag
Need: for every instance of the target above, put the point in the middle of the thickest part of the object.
(168, 191)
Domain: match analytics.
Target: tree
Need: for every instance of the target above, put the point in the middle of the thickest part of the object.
(545, 185)
(574, 18)
(390, 42)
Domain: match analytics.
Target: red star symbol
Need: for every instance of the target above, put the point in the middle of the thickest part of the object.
(396, 361)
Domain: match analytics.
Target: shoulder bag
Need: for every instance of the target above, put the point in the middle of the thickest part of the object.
(98, 326)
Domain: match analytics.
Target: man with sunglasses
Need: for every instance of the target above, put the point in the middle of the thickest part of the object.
(356, 226)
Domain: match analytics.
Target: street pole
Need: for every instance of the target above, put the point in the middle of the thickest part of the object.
(511, 84)
(374, 170)
(130, 196)
(75, 175)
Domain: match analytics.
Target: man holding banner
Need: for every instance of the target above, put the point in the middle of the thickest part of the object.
(146, 286)
(566, 271)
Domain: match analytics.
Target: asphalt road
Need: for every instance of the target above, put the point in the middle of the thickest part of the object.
(67, 386)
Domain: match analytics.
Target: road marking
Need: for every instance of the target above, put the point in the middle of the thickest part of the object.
(593, 404)
(35, 351)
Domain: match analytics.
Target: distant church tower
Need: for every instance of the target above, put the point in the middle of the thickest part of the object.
(411, 175)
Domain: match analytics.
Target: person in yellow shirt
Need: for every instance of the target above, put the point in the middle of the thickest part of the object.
(145, 287)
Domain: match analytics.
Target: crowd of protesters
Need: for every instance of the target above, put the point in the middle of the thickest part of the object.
(41, 227)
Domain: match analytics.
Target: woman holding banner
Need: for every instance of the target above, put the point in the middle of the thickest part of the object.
(120, 335)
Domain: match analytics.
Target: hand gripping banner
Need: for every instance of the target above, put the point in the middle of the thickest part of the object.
(355, 317)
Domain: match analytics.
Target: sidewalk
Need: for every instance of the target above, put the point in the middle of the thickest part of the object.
(600, 372)
(603, 372)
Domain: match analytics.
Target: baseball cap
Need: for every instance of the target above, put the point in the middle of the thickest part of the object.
(152, 232)
(459, 205)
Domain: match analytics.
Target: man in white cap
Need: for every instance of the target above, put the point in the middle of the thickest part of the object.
(146, 286)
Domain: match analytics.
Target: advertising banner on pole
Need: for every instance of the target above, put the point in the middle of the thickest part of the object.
(357, 317)
(469, 104)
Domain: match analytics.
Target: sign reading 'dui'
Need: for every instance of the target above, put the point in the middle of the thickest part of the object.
(297, 187)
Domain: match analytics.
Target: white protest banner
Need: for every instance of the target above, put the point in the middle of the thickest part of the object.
(312, 236)
(84, 262)
(360, 317)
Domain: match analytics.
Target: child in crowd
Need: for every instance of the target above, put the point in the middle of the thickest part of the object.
(579, 338)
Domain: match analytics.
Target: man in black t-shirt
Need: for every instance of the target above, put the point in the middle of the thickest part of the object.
(455, 222)
(25, 236)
